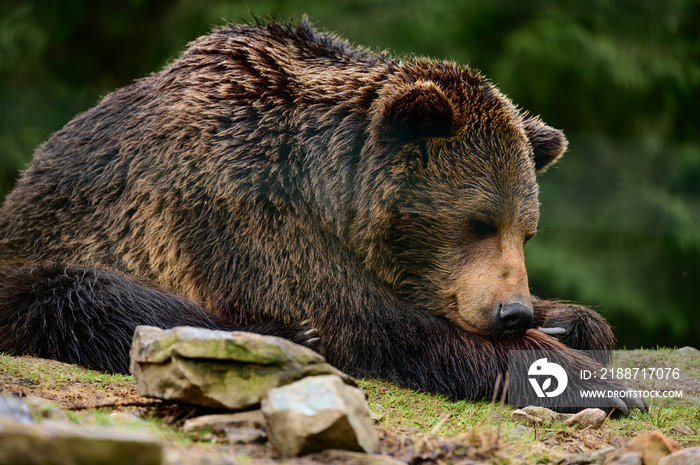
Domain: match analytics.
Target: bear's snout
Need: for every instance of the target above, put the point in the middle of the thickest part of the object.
(513, 317)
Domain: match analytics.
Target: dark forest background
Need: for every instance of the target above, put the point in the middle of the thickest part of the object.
(620, 226)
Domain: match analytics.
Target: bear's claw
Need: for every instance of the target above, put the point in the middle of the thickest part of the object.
(552, 331)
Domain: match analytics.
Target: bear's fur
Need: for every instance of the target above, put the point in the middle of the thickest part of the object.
(273, 175)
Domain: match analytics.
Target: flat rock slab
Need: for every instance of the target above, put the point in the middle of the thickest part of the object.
(591, 418)
(222, 369)
(689, 456)
(240, 427)
(534, 415)
(355, 458)
(251, 419)
(59, 443)
(318, 413)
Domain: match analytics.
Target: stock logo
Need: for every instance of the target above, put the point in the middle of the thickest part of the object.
(542, 368)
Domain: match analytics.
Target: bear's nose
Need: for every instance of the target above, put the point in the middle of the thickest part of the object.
(515, 317)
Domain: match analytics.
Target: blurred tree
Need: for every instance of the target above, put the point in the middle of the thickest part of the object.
(621, 213)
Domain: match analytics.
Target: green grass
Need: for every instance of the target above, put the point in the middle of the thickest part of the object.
(405, 409)
(422, 414)
(402, 409)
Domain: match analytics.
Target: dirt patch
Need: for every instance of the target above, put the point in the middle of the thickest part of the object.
(68, 386)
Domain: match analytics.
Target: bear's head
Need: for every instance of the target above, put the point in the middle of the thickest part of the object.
(451, 197)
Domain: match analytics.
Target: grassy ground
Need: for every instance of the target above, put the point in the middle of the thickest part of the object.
(404, 409)
(410, 424)
(401, 410)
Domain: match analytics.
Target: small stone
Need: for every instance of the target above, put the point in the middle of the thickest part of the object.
(198, 456)
(245, 435)
(237, 428)
(534, 415)
(377, 413)
(683, 430)
(519, 431)
(591, 457)
(355, 458)
(15, 409)
(651, 446)
(523, 417)
(591, 418)
(544, 413)
(250, 419)
(628, 458)
(64, 443)
(318, 413)
(220, 369)
(619, 442)
(689, 456)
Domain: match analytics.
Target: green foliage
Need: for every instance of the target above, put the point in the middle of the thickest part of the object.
(621, 213)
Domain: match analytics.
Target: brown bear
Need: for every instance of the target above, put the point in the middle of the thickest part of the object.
(273, 174)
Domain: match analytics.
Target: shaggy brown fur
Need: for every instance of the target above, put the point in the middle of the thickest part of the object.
(272, 175)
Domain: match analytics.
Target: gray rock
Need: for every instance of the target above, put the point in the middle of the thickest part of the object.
(221, 369)
(198, 456)
(60, 443)
(629, 458)
(521, 416)
(519, 431)
(689, 456)
(534, 415)
(592, 418)
(242, 427)
(245, 435)
(317, 413)
(683, 429)
(355, 458)
(250, 419)
(13, 408)
(545, 413)
(689, 351)
(592, 457)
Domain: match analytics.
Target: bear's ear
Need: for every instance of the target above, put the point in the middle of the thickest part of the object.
(548, 144)
(420, 110)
